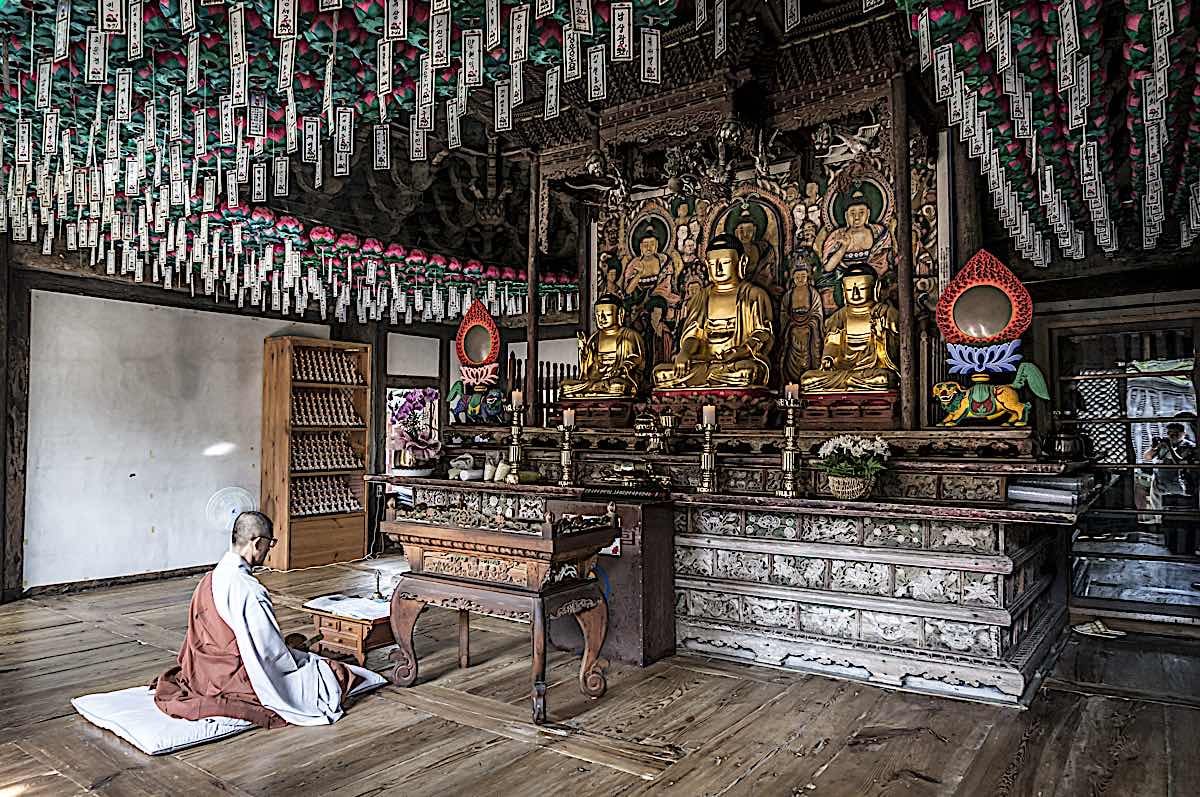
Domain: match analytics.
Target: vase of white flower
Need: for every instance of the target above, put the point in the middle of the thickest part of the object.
(851, 464)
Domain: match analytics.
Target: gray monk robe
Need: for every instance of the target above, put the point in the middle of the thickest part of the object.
(212, 679)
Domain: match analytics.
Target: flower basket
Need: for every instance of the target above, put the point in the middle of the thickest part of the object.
(851, 463)
(851, 488)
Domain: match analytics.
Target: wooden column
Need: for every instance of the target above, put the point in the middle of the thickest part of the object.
(910, 387)
(965, 223)
(533, 414)
(14, 401)
(444, 382)
(587, 280)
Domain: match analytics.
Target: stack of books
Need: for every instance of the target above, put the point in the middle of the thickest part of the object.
(1068, 491)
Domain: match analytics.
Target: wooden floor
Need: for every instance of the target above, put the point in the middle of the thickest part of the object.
(1116, 718)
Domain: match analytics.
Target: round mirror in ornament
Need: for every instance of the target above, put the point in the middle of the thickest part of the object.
(985, 303)
(478, 339)
(982, 311)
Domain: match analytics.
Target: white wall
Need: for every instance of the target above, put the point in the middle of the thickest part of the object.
(137, 415)
(409, 355)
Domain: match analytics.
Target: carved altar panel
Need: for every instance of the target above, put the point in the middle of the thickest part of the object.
(691, 561)
(741, 565)
(957, 535)
(973, 488)
(927, 584)
(713, 605)
(980, 589)
(890, 629)
(830, 528)
(829, 621)
(863, 578)
(972, 639)
(770, 612)
(480, 568)
(772, 524)
(894, 532)
(717, 521)
(800, 571)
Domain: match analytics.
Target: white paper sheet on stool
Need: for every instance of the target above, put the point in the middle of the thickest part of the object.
(349, 606)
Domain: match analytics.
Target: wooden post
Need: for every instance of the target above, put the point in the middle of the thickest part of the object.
(583, 216)
(15, 310)
(910, 387)
(444, 382)
(967, 235)
(533, 305)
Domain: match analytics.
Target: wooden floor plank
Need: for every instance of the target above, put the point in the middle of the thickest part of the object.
(101, 763)
(507, 771)
(1118, 748)
(22, 775)
(502, 719)
(1183, 763)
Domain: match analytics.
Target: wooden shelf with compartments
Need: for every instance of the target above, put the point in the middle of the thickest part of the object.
(315, 446)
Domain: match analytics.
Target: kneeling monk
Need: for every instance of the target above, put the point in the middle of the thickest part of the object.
(235, 662)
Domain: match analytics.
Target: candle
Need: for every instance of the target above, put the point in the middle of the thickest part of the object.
(792, 391)
(709, 415)
(518, 399)
(569, 419)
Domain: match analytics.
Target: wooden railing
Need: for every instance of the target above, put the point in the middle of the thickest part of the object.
(549, 378)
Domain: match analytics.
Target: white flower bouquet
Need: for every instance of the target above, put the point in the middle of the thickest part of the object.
(852, 456)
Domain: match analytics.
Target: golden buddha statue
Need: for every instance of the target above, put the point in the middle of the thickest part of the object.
(861, 341)
(610, 361)
(726, 333)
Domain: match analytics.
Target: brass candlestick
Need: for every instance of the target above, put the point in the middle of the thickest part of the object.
(708, 458)
(516, 451)
(566, 458)
(791, 448)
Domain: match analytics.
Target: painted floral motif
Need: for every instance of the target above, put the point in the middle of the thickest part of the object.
(955, 536)
(979, 590)
(927, 584)
(742, 566)
(766, 611)
(894, 533)
(869, 578)
(717, 522)
(828, 528)
(767, 524)
(969, 638)
(892, 629)
(828, 621)
(798, 571)
(714, 605)
(693, 561)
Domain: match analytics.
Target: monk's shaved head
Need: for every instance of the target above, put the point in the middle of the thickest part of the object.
(250, 526)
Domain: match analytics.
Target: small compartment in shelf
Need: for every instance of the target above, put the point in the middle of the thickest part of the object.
(327, 366)
(333, 407)
(326, 495)
(325, 451)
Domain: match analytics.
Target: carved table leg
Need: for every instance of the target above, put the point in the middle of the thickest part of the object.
(593, 622)
(538, 632)
(404, 618)
(464, 638)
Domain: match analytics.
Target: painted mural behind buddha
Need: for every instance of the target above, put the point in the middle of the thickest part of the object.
(802, 230)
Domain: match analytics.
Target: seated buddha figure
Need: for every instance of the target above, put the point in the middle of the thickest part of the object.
(610, 360)
(861, 341)
(725, 334)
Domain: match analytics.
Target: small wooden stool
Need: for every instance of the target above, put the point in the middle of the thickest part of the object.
(350, 636)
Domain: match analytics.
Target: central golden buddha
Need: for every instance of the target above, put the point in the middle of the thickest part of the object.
(725, 334)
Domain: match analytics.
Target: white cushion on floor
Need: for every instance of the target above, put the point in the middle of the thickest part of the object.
(132, 715)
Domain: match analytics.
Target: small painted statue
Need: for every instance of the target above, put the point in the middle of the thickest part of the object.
(983, 400)
(478, 407)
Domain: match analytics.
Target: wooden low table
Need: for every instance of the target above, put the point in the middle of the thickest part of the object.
(526, 554)
(582, 600)
(349, 636)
